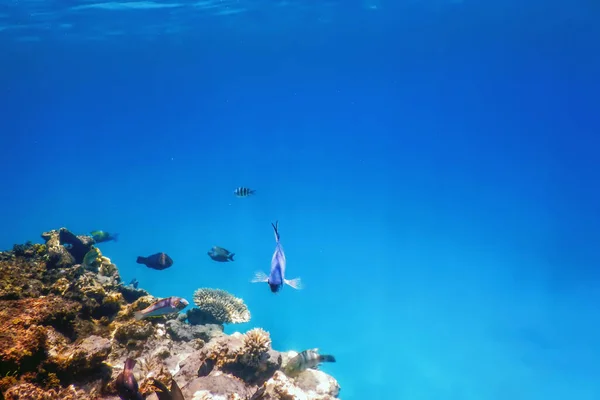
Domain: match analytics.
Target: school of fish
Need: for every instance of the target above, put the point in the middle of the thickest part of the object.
(126, 384)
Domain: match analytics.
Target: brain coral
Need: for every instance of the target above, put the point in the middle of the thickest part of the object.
(222, 306)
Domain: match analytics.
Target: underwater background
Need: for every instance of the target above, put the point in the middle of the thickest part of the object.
(434, 167)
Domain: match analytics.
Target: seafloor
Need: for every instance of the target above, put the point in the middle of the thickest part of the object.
(67, 327)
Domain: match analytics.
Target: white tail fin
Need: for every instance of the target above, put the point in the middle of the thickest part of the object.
(138, 315)
(295, 283)
(260, 277)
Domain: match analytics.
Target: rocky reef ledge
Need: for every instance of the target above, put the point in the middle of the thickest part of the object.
(67, 327)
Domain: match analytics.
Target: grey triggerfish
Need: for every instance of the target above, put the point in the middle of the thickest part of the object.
(165, 394)
(101, 236)
(220, 254)
(243, 192)
(276, 278)
(126, 385)
(165, 306)
(158, 261)
(306, 359)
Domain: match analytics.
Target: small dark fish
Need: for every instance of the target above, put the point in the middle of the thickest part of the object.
(259, 394)
(306, 359)
(158, 261)
(134, 283)
(165, 306)
(101, 236)
(206, 367)
(126, 385)
(276, 278)
(165, 394)
(243, 192)
(220, 254)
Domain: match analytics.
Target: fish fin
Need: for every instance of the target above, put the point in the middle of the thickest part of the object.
(115, 237)
(159, 385)
(129, 364)
(276, 229)
(231, 257)
(175, 391)
(141, 260)
(296, 283)
(327, 358)
(260, 277)
(138, 315)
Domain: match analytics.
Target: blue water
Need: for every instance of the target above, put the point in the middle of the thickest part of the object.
(434, 167)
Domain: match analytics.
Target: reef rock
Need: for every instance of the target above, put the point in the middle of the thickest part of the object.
(217, 386)
(27, 323)
(180, 330)
(84, 358)
(65, 248)
(282, 387)
(318, 383)
(67, 330)
(20, 275)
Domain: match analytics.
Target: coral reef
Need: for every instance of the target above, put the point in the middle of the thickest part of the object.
(220, 307)
(68, 327)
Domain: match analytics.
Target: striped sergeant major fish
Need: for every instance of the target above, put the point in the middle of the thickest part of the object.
(276, 278)
(165, 306)
(243, 192)
(306, 359)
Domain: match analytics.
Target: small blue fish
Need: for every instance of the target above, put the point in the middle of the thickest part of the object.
(162, 307)
(276, 278)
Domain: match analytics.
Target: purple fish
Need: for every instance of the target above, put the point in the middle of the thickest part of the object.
(165, 306)
(126, 385)
(276, 278)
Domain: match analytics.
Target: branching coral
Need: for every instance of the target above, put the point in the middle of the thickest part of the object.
(153, 369)
(221, 306)
(246, 356)
(257, 343)
(257, 338)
